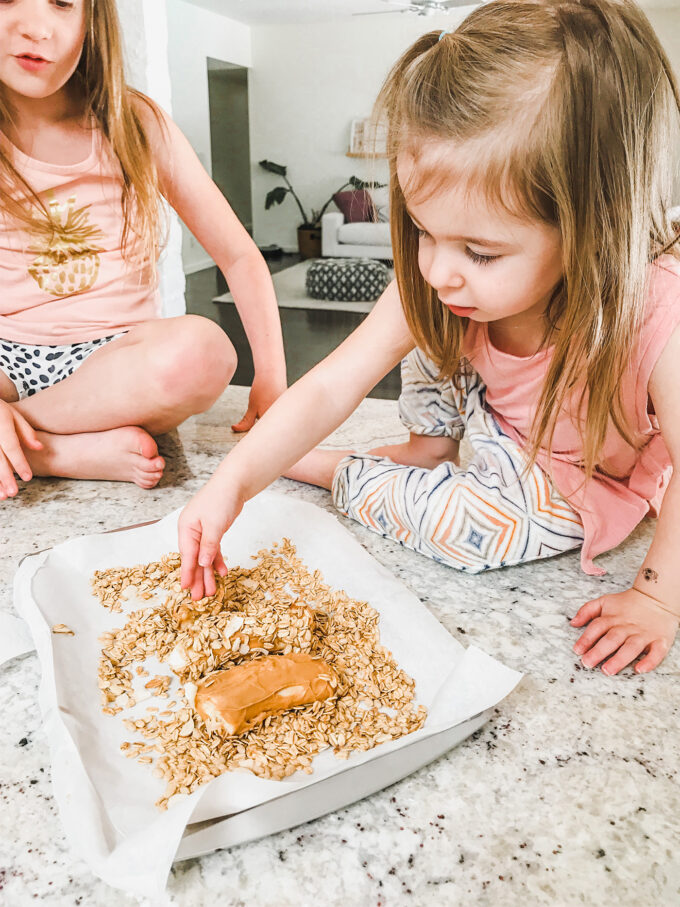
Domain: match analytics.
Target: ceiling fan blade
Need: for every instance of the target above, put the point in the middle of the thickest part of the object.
(420, 8)
(388, 12)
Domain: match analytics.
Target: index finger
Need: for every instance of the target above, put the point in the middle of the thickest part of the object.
(17, 458)
(209, 584)
(26, 432)
(587, 612)
(10, 444)
(219, 564)
(189, 544)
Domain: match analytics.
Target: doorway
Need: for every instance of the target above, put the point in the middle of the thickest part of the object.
(230, 136)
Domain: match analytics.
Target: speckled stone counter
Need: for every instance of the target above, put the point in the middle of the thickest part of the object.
(569, 795)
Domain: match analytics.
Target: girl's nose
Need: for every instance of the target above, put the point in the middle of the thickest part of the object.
(442, 271)
(35, 30)
(32, 24)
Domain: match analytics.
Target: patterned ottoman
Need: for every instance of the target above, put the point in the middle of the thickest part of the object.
(346, 279)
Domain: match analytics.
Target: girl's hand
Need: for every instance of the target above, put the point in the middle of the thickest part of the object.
(15, 433)
(201, 526)
(262, 394)
(624, 625)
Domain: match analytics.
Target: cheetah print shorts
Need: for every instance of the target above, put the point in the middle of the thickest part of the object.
(32, 368)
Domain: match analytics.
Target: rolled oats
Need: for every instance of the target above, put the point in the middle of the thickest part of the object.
(62, 628)
(276, 606)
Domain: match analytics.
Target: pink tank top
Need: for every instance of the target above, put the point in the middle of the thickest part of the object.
(611, 505)
(66, 281)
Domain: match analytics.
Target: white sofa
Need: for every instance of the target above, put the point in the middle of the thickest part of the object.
(369, 240)
(360, 240)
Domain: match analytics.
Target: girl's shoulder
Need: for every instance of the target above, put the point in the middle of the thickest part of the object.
(159, 129)
(664, 287)
(153, 119)
(661, 315)
(665, 271)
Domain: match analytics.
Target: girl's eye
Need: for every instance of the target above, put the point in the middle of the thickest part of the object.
(64, 4)
(480, 259)
(421, 233)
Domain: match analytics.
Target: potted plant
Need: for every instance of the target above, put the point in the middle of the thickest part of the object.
(309, 231)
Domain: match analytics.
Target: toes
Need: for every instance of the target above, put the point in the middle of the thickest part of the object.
(148, 477)
(148, 480)
(146, 446)
(148, 469)
(157, 464)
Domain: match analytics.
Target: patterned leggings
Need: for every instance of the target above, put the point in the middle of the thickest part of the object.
(485, 515)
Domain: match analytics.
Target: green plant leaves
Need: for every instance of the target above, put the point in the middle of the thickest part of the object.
(356, 183)
(275, 196)
(279, 169)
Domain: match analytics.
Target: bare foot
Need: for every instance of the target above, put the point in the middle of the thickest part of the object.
(126, 454)
(317, 467)
(422, 451)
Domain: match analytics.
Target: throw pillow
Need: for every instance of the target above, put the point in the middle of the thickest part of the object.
(381, 202)
(346, 279)
(356, 205)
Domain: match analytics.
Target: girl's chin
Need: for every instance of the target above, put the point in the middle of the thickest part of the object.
(30, 88)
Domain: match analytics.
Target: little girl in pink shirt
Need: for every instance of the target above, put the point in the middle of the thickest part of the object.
(536, 310)
(89, 372)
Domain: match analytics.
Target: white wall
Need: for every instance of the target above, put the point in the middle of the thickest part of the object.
(306, 85)
(666, 23)
(194, 34)
(309, 81)
(145, 37)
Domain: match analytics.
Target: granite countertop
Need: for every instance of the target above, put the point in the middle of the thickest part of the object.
(568, 795)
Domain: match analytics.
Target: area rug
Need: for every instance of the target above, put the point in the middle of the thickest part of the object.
(289, 285)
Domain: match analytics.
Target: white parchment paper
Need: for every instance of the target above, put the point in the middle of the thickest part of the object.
(106, 801)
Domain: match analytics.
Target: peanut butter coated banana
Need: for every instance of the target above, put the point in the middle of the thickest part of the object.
(236, 700)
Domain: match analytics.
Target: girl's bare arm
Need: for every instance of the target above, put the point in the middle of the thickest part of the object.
(206, 212)
(659, 575)
(643, 620)
(306, 414)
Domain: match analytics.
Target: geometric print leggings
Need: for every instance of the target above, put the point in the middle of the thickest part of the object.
(489, 513)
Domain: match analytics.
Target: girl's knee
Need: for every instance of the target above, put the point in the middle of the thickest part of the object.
(196, 363)
(462, 551)
(210, 346)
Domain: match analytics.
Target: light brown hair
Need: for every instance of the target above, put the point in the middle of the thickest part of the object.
(115, 109)
(572, 110)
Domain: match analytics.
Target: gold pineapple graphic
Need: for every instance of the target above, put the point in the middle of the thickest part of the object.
(68, 260)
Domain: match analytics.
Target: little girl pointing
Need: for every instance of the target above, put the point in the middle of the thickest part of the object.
(535, 310)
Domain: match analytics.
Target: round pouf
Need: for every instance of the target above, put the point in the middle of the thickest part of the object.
(346, 279)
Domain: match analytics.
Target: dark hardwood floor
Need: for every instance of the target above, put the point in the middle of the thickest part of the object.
(308, 334)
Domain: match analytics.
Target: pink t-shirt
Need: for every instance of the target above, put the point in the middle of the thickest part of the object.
(66, 281)
(611, 505)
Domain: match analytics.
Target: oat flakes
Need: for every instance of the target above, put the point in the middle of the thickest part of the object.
(276, 606)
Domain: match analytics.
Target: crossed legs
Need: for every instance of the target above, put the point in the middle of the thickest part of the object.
(99, 423)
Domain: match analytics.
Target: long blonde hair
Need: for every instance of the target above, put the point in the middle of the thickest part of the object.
(115, 110)
(572, 109)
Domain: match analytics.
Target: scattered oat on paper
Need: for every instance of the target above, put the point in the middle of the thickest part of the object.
(276, 606)
(62, 628)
